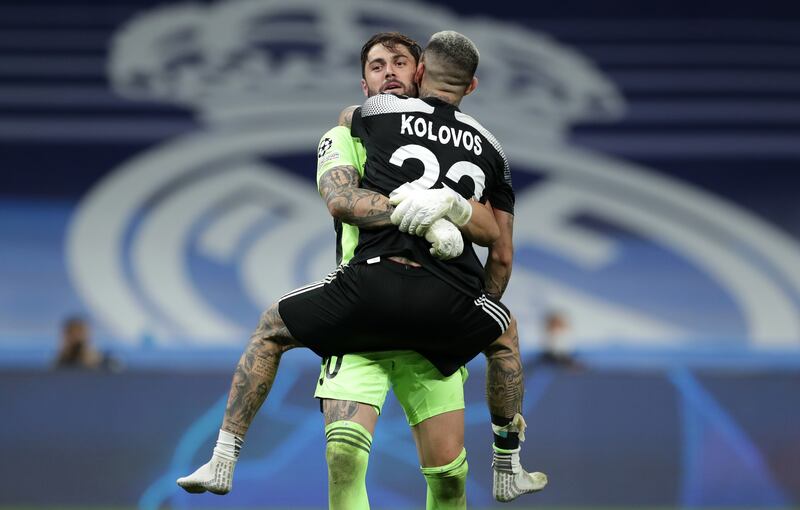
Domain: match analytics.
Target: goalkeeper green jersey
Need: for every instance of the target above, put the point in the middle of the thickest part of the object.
(339, 148)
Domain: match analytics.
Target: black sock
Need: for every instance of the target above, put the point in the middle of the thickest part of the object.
(511, 441)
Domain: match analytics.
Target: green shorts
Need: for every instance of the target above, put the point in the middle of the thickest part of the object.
(366, 378)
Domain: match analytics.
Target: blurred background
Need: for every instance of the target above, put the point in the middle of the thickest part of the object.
(157, 165)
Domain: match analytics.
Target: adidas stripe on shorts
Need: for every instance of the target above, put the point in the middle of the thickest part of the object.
(390, 306)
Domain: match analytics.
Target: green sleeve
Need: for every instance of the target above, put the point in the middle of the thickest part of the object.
(338, 148)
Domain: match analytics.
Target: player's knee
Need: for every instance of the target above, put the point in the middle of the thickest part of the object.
(346, 465)
(267, 345)
(347, 453)
(272, 334)
(447, 483)
(444, 454)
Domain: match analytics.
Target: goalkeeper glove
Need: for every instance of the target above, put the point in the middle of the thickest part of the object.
(445, 238)
(417, 210)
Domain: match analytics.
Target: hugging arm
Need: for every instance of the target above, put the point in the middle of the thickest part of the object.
(501, 256)
(482, 228)
(349, 203)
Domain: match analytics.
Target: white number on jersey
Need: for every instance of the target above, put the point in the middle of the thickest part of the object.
(431, 167)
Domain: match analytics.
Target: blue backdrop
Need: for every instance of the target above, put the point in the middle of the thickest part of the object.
(620, 438)
(157, 175)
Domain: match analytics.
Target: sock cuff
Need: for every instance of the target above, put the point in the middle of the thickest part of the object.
(506, 460)
(349, 432)
(229, 437)
(228, 445)
(504, 451)
(452, 469)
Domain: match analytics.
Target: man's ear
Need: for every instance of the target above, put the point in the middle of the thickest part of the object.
(472, 86)
(420, 73)
(364, 88)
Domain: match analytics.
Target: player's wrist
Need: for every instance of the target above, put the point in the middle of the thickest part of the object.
(460, 211)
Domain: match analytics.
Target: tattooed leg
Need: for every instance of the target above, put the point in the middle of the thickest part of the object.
(347, 410)
(251, 384)
(335, 410)
(504, 391)
(255, 373)
(504, 384)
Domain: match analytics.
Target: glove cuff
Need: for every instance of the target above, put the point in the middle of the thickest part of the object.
(461, 211)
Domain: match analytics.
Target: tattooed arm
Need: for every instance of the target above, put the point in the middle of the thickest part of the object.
(351, 204)
(346, 117)
(482, 228)
(501, 256)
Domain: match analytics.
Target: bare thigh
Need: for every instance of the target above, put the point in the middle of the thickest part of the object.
(339, 410)
(440, 438)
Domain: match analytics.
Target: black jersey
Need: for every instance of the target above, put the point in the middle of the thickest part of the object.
(422, 144)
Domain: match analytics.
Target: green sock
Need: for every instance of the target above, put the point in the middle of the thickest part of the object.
(447, 485)
(347, 453)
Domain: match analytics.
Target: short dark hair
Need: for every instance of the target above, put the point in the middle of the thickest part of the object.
(455, 58)
(389, 40)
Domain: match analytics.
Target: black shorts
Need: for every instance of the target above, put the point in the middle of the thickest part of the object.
(387, 306)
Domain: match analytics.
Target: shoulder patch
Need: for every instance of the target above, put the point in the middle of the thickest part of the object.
(325, 144)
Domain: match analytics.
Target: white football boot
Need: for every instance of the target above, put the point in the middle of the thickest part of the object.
(510, 480)
(215, 476)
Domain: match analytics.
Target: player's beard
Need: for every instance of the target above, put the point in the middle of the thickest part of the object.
(409, 89)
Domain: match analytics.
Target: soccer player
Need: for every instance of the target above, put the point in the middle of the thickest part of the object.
(434, 406)
(353, 387)
(376, 303)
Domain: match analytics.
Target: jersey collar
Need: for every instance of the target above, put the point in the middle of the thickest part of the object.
(435, 101)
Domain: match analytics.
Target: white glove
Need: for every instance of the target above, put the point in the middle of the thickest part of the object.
(418, 209)
(445, 238)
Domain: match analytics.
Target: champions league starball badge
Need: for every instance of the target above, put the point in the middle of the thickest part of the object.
(324, 145)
